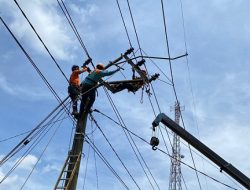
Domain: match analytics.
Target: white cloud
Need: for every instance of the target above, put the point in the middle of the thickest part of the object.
(90, 10)
(51, 27)
(51, 167)
(16, 179)
(21, 91)
(223, 95)
(28, 162)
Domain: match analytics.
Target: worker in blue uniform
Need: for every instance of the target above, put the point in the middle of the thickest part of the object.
(89, 86)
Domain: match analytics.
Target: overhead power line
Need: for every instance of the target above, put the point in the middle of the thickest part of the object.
(172, 78)
(21, 134)
(96, 173)
(32, 62)
(129, 138)
(37, 69)
(73, 27)
(132, 18)
(42, 153)
(86, 169)
(41, 40)
(114, 151)
(88, 140)
(123, 21)
(38, 136)
(19, 146)
(168, 154)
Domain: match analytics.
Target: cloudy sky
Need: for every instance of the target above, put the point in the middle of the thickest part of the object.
(212, 85)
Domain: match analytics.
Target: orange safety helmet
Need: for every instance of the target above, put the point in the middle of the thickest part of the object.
(100, 66)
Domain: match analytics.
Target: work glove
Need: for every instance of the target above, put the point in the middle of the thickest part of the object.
(88, 69)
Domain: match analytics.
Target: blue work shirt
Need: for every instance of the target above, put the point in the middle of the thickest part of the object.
(96, 75)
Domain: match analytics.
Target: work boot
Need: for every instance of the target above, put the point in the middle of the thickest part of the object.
(74, 112)
(76, 116)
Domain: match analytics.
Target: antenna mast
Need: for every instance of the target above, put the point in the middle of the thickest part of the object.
(175, 170)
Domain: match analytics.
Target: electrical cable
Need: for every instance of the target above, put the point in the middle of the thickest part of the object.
(131, 15)
(184, 181)
(114, 151)
(41, 41)
(126, 30)
(86, 169)
(172, 78)
(131, 138)
(35, 67)
(73, 27)
(12, 137)
(128, 135)
(158, 67)
(32, 62)
(105, 161)
(21, 134)
(138, 45)
(96, 173)
(32, 146)
(134, 134)
(124, 24)
(21, 144)
(188, 68)
(41, 155)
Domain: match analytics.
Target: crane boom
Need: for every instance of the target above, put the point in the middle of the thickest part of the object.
(224, 165)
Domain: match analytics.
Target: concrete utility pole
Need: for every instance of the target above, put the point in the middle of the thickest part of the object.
(175, 169)
(68, 177)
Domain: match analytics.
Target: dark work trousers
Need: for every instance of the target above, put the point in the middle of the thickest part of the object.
(132, 87)
(74, 92)
(88, 97)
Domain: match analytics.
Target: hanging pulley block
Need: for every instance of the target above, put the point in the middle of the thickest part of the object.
(154, 142)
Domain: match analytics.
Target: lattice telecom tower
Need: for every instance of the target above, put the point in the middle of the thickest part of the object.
(175, 170)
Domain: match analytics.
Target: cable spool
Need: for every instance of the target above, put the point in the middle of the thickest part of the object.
(154, 142)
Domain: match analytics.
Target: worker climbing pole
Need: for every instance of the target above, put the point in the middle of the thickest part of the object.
(69, 173)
